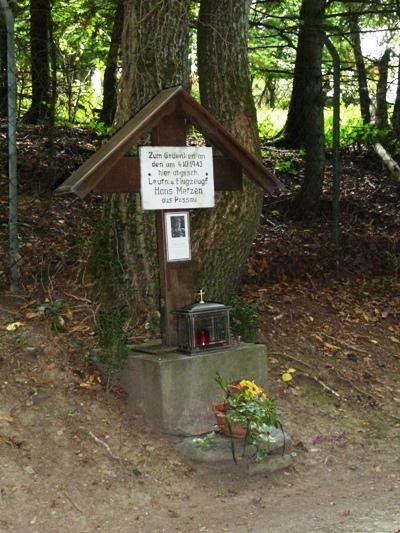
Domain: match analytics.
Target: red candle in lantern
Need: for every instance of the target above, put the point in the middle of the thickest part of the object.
(202, 337)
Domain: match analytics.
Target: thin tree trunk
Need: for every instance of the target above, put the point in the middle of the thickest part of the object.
(307, 81)
(222, 237)
(307, 201)
(111, 71)
(388, 161)
(39, 38)
(155, 42)
(381, 117)
(363, 93)
(3, 69)
(396, 109)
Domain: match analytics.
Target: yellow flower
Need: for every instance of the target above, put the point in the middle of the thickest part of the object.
(254, 389)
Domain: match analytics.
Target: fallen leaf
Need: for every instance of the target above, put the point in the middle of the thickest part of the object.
(332, 347)
(295, 468)
(32, 314)
(373, 341)
(286, 376)
(13, 326)
(320, 339)
(394, 339)
(91, 380)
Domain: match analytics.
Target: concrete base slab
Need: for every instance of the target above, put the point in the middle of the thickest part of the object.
(175, 391)
(216, 448)
(215, 451)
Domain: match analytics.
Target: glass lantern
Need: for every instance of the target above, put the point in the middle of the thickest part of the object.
(202, 327)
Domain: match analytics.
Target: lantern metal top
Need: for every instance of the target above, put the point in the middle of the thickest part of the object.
(202, 307)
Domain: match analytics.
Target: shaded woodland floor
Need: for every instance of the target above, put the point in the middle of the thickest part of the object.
(73, 459)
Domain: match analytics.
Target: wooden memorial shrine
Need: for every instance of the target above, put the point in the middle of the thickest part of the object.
(173, 179)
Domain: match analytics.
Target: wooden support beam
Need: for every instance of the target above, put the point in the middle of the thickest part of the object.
(176, 278)
(124, 176)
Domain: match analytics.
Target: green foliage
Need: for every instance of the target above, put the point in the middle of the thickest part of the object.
(81, 32)
(53, 311)
(205, 442)
(100, 128)
(270, 121)
(248, 405)
(286, 166)
(244, 320)
(353, 131)
(102, 265)
(110, 330)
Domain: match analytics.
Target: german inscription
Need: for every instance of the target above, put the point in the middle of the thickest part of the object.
(176, 177)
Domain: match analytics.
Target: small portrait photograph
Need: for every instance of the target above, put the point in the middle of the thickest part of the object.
(178, 227)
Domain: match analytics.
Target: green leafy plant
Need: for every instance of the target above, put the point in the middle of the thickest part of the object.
(110, 329)
(204, 442)
(244, 320)
(247, 405)
(286, 166)
(54, 311)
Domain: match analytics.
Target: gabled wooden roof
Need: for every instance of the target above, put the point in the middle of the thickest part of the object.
(90, 174)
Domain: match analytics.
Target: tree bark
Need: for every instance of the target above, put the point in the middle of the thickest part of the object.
(40, 11)
(307, 201)
(396, 109)
(307, 81)
(3, 69)
(110, 74)
(363, 92)
(381, 116)
(388, 161)
(222, 237)
(154, 46)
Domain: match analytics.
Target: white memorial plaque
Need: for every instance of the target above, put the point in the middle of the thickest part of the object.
(177, 232)
(176, 177)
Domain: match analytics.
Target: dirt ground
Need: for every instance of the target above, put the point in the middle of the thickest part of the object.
(73, 458)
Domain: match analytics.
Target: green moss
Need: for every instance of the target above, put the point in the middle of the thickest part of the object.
(111, 333)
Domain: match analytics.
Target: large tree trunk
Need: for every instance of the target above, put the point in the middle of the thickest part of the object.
(363, 93)
(39, 38)
(307, 200)
(381, 116)
(222, 237)
(111, 71)
(154, 49)
(307, 82)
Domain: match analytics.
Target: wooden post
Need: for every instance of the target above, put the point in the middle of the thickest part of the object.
(176, 278)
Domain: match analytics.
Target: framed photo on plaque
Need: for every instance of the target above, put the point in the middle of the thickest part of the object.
(177, 236)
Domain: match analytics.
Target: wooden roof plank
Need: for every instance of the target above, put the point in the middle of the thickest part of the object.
(92, 171)
(217, 135)
(98, 166)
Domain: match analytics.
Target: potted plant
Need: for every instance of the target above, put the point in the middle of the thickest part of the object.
(248, 413)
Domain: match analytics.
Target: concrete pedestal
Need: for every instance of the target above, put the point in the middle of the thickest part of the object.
(175, 391)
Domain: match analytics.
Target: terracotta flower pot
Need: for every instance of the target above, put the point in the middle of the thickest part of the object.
(237, 431)
(234, 389)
